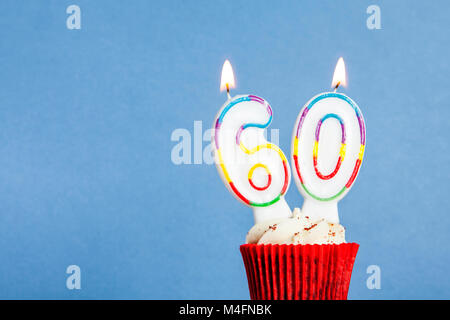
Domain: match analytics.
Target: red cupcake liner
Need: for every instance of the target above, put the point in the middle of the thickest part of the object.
(299, 272)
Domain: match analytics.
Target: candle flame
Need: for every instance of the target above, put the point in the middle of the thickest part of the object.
(339, 76)
(227, 79)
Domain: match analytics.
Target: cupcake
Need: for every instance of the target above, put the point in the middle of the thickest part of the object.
(298, 258)
(300, 254)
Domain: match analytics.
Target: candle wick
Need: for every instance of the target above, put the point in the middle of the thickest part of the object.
(337, 86)
(228, 91)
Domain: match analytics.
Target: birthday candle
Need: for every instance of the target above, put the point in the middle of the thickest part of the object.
(327, 149)
(255, 171)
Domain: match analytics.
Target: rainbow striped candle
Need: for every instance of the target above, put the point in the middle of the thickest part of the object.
(255, 171)
(327, 150)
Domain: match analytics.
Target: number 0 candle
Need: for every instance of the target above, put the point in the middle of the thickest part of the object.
(327, 149)
(255, 171)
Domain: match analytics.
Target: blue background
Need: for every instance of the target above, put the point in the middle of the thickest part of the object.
(86, 175)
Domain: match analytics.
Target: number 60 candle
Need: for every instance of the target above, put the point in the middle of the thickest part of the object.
(327, 149)
(255, 171)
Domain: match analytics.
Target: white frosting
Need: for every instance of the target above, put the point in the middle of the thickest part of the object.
(300, 229)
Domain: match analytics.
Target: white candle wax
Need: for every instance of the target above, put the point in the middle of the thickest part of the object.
(255, 171)
(327, 151)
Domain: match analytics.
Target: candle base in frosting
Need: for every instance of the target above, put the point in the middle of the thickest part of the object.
(278, 210)
(321, 210)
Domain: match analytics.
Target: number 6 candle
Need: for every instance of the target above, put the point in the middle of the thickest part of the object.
(255, 171)
(327, 149)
